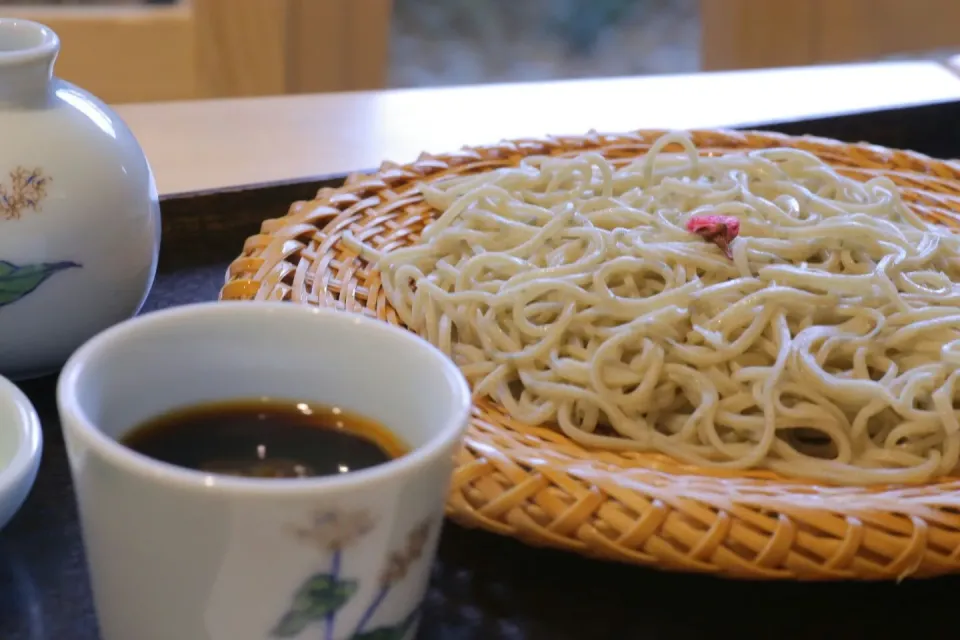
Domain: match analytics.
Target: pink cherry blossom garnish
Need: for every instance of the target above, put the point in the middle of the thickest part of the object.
(720, 230)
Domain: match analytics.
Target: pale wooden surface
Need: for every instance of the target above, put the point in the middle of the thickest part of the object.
(220, 48)
(745, 34)
(953, 63)
(194, 146)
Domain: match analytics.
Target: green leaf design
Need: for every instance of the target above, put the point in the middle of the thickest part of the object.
(18, 281)
(323, 593)
(291, 624)
(319, 595)
(394, 632)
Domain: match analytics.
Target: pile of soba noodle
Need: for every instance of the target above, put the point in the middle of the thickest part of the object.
(570, 292)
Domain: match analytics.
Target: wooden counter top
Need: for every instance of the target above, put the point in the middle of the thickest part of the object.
(201, 145)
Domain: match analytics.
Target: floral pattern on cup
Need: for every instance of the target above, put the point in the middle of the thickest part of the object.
(27, 188)
(319, 598)
(16, 281)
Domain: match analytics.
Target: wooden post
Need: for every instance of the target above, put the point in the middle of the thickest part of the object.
(745, 34)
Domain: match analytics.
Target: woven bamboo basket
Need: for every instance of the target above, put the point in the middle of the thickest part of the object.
(536, 485)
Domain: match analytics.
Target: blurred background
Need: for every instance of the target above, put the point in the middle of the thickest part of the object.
(139, 50)
(435, 42)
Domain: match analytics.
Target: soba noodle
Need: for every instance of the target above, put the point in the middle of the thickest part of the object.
(570, 292)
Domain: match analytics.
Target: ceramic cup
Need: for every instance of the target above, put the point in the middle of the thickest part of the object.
(186, 555)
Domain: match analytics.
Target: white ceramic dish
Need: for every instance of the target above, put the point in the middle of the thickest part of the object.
(21, 444)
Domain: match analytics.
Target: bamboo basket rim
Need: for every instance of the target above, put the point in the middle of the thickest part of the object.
(643, 508)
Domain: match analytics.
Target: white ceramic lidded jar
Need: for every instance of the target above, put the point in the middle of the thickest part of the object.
(79, 215)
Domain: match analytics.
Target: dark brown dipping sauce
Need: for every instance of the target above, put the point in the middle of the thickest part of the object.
(265, 439)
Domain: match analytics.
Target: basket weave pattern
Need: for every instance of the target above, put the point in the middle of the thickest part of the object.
(537, 485)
